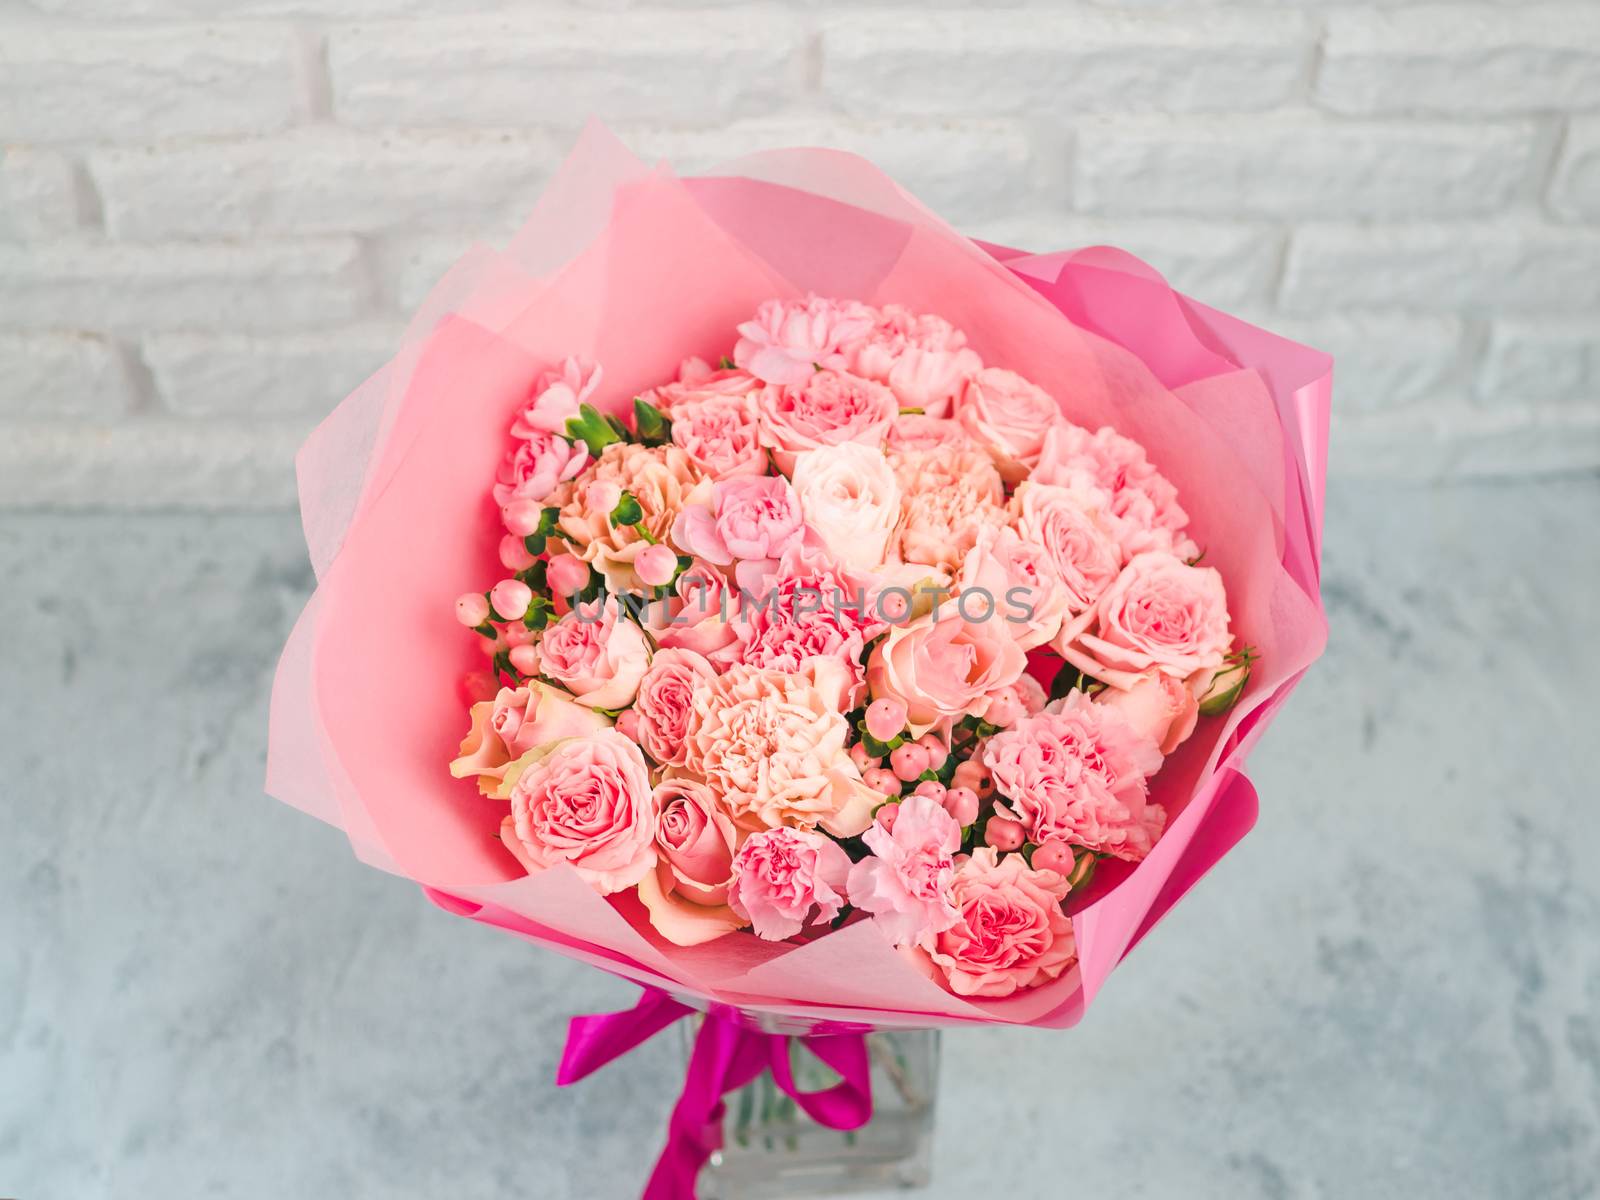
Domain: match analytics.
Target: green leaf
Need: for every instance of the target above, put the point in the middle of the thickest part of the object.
(1068, 679)
(725, 363)
(627, 511)
(651, 423)
(534, 543)
(592, 429)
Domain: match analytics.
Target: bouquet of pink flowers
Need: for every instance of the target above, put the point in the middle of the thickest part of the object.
(874, 622)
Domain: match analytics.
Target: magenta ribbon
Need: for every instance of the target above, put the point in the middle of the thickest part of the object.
(727, 1055)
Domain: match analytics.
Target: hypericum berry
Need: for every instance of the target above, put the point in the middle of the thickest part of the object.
(962, 804)
(880, 780)
(938, 752)
(566, 574)
(510, 598)
(885, 718)
(472, 609)
(932, 789)
(514, 554)
(908, 761)
(628, 724)
(886, 815)
(525, 658)
(656, 564)
(602, 496)
(862, 759)
(521, 517)
(1003, 833)
(1053, 854)
(972, 775)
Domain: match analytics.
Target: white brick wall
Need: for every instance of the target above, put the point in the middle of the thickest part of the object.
(216, 214)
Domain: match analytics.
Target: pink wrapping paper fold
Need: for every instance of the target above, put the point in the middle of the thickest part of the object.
(635, 268)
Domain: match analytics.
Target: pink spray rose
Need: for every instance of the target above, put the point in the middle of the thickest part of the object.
(923, 359)
(750, 518)
(1141, 510)
(720, 433)
(1012, 933)
(906, 881)
(772, 745)
(787, 340)
(686, 895)
(700, 613)
(785, 879)
(1160, 612)
(555, 398)
(850, 500)
(596, 653)
(911, 432)
(1010, 416)
(1159, 706)
(518, 720)
(825, 408)
(941, 666)
(666, 694)
(1079, 773)
(698, 380)
(1081, 554)
(584, 801)
(1015, 578)
(538, 464)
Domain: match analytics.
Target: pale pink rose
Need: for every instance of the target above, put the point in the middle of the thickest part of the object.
(1078, 771)
(786, 879)
(1161, 613)
(850, 500)
(826, 408)
(907, 880)
(942, 667)
(1159, 706)
(555, 398)
(666, 694)
(596, 654)
(773, 745)
(720, 433)
(1013, 580)
(1141, 511)
(687, 893)
(1010, 416)
(539, 464)
(788, 340)
(518, 720)
(750, 517)
(1012, 933)
(912, 432)
(923, 359)
(660, 478)
(700, 614)
(1080, 553)
(809, 606)
(584, 801)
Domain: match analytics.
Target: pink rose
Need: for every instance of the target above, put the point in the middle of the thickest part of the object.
(539, 464)
(596, 654)
(555, 398)
(923, 359)
(753, 518)
(772, 745)
(1081, 556)
(1159, 706)
(785, 879)
(1016, 580)
(720, 434)
(912, 432)
(1012, 933)
(584, 801)
(698, 380)
(850, 500)
(700, 614)
(941, 666)
(666, 694)
(1141, 510)
(686, 895)
(1079, 773)
(1010, 416)
(515, 721)
(906, 882)
(1160, 612)
(826, 408)
(789, 339)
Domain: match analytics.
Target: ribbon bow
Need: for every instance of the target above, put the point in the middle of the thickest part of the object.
(727, 1055)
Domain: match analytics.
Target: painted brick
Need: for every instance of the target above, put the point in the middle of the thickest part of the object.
(39, 195)
(1383, 360)
(1533, 361)
(62, 375)
(232, 375)
(1575, 190)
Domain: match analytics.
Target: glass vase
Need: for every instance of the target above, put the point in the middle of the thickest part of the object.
(771, 1149)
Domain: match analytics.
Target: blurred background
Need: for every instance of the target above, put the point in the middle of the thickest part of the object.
(214, 218)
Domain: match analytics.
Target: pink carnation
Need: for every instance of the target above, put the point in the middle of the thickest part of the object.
(826, 408)
(923, 359)
(538, 464)
(1079, 773)
(585, 801)
(555, 398)
(1012, 933)
(789, 339)
(666, 696)
(785, 879)
(1141, 509)
(720, 433)
(750, 518)
(906, 882)
(912, 432)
